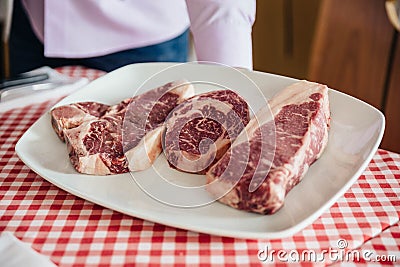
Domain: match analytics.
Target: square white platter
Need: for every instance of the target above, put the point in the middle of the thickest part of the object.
(356, 131)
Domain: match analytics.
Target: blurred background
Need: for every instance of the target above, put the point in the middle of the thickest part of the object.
(350, 45)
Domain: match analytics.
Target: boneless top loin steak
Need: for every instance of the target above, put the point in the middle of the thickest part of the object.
(274, 152)
(104, 139)
(200, 130)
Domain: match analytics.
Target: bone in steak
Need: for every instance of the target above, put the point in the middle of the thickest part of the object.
(200, 130)
(95, 147)
(257, 173)
(73, 115)
(128, 136)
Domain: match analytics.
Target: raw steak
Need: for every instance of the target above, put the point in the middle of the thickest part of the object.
(73, 115)
(200, 130)
(257, 173)
(95, 147)
(128, 136)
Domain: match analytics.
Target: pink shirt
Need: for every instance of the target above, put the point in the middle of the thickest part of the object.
(85, 28)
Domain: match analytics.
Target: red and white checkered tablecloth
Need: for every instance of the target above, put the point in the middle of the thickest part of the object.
(73, 231)
(381, 250)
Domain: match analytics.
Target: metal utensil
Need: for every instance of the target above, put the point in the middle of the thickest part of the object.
(24, 78)
(17, 91)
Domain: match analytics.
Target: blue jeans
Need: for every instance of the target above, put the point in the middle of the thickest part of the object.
(27, 52)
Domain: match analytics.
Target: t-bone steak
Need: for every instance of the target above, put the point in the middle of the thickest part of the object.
(274, 152)
(127, 137)
(200, 130)
(73, 115)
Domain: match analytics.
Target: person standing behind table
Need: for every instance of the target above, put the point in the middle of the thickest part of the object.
(108, 34)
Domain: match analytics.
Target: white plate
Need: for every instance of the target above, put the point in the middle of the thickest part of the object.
(356, 131)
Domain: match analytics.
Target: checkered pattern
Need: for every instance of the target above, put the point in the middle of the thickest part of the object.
(73, 231)
(381, 250)
(74, 71)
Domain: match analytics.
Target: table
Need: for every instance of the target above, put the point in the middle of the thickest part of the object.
(362, 226)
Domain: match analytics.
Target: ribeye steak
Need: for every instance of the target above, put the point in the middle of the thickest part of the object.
(200, 130)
